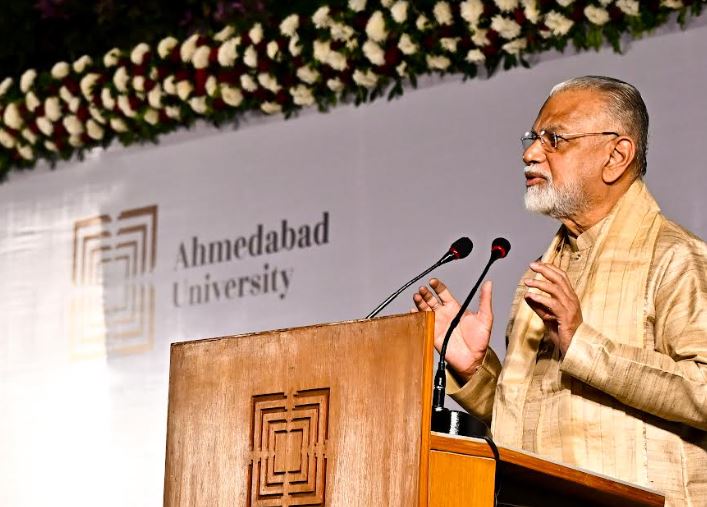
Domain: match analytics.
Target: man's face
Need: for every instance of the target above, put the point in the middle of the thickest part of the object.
(565, 181)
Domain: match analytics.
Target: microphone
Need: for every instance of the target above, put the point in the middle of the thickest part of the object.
(444, 420)
(459, 249)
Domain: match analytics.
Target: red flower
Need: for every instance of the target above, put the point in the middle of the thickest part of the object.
(200, 77)
(83, 114)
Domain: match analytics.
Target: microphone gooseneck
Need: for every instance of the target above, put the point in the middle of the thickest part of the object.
(459, 249)
(499, 249)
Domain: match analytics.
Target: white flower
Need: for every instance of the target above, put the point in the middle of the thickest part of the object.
(672, 4)
(375, 27)
(301, 95)
(515, 46)
(321, 17)
(211, 86)
(73, 125)
(471, 11)
(227, 53)
(52, 108)
(154, 97)
(557, 23)
(6, 139)
(169, 86)
(507, 5)
(374, 53)
(479, 37)
(25, 152)
(272, 49)
(111, 58)
(268, 82)
(422, 23)
(151, 116)
(357, 6)
(335, 85)
(11, 116)
(399, 11)
(530, 9)
(321, 50)
(107, 99)
(340, 31)
(565, 3)
(289, 25)
(200, 58)
(75, 141)
(475, 56)
(406, 45)
(137, 55)
(124, 105)
(118, 125)
(165, 46)
(231, 96)
(294, 47)
(250, 57)
(224, 34)
(248, 83)
(366, 79)
(449, 43)
(184, 89)
(387, 3)
(443, 13)
(596, 15)
(506, 28)
(256, 33)
(30, 136)
(120, 79)
(50, 146)
(65, 94)
(438, 62)
(198, 105)
(401, 69)
(139, 83)
(96, 114)
(307, 74)
(87, 83)
(31, 101)
(94, 130)
(628, 7)
(173, 112)
(352, 44)
(74, 104)
(27, 80)
(60, 70)
(336, 60)
(188, 47)
(5, 85)
(270, 107)
(605, 2)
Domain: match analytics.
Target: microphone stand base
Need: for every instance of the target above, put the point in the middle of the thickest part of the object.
(454, 422)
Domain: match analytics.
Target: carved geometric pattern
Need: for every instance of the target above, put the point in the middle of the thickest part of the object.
(289, 436)
(112, 305)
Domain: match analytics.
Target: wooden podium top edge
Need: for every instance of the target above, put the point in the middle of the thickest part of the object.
(546, 466)
(188, 342)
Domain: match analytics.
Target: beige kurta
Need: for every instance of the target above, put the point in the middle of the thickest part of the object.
(629, 399)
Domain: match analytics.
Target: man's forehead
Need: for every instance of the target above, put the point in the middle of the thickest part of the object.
(570, 109)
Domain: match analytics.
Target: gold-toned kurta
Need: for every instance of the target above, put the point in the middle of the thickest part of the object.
(629, 399)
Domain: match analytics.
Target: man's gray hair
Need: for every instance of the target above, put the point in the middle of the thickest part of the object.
(625, 105)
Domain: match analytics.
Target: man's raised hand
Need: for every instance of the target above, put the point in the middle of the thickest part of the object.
(470, 340)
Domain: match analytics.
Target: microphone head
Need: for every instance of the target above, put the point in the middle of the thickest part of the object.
(461, 248)
(500, 248)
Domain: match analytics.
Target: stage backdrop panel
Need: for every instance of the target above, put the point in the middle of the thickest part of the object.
(105, 262)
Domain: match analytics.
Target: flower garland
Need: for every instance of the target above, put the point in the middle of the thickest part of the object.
(357, 53)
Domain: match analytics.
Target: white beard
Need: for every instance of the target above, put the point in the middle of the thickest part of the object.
(556, 202)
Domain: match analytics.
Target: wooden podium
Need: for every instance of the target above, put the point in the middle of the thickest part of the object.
(339, 415)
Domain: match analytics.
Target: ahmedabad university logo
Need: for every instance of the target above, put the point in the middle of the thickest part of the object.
(112, 303)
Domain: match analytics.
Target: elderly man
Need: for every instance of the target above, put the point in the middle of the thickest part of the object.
(606, 365)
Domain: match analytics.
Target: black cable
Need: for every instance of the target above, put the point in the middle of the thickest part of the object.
(497, 458)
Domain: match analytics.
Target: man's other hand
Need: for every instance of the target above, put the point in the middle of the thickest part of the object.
(469, 341)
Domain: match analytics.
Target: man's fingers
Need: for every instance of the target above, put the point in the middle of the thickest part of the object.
(420, 303)
(485, 302)
(554, 275)
(545, 286)
(544, 306)
(442, 292)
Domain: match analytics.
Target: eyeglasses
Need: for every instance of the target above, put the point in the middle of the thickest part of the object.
(550, 140)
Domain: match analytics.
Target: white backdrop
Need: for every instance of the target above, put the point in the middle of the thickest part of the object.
(84, 401)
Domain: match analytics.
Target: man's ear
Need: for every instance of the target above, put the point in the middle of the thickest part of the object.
(621, 159)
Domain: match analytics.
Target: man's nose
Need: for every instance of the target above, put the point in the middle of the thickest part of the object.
(534, 154)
